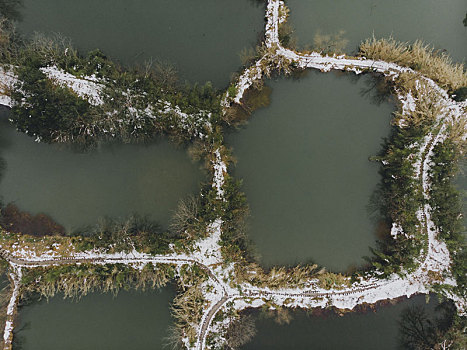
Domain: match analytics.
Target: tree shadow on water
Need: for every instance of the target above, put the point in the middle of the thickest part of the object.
(377, 89)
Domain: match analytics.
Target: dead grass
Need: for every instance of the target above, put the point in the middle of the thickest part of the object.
(330, 280)
(13, 242)
(277, 277)
(419, 56)
(428, 103)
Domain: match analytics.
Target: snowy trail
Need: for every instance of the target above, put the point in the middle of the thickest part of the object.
(207, 253)
(11, 308)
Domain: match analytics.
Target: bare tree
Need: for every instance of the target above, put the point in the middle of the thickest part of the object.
(240, 332)
(185, 215)
(173, 340)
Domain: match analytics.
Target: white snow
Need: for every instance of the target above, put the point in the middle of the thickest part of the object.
(7, 81)
(219, 170)
(434, 260)
(396, 230)
(88, 88)
(16, 278)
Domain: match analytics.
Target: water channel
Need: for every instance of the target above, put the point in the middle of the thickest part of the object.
(370, 330)
(303, 159)
(202, 40)
(132, 320)
(305, 169)
(439, 23)
(77, 189)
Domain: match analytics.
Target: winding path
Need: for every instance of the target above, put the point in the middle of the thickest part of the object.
(366, 291)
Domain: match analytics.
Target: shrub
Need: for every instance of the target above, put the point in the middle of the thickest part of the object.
(418, 56)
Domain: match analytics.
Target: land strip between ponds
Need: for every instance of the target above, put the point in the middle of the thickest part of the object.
(434, 257)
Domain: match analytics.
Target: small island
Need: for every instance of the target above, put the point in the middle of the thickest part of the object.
(58, 96)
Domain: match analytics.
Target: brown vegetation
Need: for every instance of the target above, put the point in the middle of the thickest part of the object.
(329, 44)
(12, 219)
(277, 277)
(428, 104)
(432, 63)
(253, 99)
(76, 281)
(240, 332)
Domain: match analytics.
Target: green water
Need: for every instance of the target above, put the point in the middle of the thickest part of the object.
(202, 39)
(76, 189)
(436, 22)
(303, 159)
(355, 331)
(305, 170)
(132, 320)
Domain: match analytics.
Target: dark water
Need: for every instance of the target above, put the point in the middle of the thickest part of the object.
(304, 159)
(132, 320)
(354, 331)
(202, 39)
(77, 189)
(307, 177)
(439, 23)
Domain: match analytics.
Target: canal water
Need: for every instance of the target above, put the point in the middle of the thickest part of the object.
(132, 320)
(355, 331)
(439, 23)
(303, 159)
(305, 169)
(76, 189)
(201, 39)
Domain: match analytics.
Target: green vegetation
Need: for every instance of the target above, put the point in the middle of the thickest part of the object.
(252, 99)
(445, 201)
(399, 196)
(235, 244)
(397, 199)
(137, 103)
(45, 110)
(124, 236)
(78, 280)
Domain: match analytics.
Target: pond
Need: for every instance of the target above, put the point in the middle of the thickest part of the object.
(360, 331)
(305, 169)
(77, 189)
(202, 39)
(439, 23)
(132, 320)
